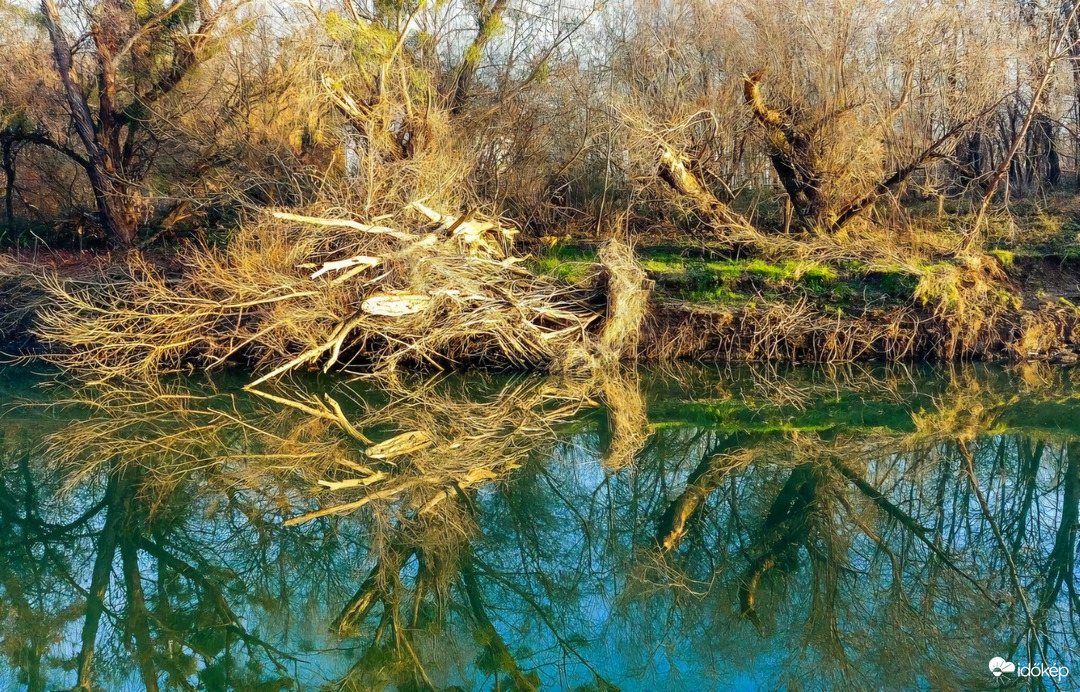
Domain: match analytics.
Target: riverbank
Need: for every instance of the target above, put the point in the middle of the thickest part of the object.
(710, 305)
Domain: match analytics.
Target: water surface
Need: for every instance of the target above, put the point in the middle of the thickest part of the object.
(690, 528)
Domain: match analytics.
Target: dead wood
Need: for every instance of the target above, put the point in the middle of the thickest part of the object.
(435, 290)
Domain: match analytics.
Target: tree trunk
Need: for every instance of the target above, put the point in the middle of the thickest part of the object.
(1050, 164)
(970, 158)
(113, 200)
(9, 183)
(792, 155)
(705, 204)
(490, 18)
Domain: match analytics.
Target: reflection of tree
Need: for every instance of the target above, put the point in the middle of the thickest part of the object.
(29, 577)
(188, 604)
(466, 532)
(879, 513)
(716, 465)
(157, 459)
(427, 562)
(1060, 571)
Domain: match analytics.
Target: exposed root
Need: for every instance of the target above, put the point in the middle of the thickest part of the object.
(782, 332)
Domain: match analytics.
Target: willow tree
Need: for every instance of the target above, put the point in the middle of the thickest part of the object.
(840, 103)
(114, 75)
(422, 85)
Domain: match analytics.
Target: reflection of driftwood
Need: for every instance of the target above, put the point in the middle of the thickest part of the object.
(347, 507)
(434, 444)
(418, 450)
(449, 445)
(405, 443)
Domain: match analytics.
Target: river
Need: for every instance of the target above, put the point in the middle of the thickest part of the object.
(692, 527)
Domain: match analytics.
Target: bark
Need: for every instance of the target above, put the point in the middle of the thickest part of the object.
(489, 20)
(9, 154)
(109, 192)
(791, 153)
(685, 182)
(1044, 162)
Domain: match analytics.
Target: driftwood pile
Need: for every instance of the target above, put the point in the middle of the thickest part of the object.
(293, 291)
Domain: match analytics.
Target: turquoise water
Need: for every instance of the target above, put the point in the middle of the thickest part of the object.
(688, 528)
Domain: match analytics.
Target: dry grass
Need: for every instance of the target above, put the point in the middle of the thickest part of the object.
(297, 291)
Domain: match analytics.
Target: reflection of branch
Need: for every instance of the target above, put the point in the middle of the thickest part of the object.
(369, 593)
(787, 526)
(969, 466)
(232, 621)
(906, 521)
(490, 637)
(894, 561)
(350, 506)
(319, 410)
(541, 612)
(1030, 460)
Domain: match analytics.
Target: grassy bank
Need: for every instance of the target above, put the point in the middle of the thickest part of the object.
(426, 290)
(712, 304)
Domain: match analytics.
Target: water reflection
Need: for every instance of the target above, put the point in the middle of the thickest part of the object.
(877, 528)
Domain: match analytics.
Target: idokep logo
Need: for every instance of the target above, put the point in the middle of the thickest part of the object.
(999, 666)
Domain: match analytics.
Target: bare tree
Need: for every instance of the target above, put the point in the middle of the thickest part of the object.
(1059, 46)
(138, 57)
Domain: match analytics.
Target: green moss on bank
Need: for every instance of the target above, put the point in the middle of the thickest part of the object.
(570, 265)
(743, 281)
